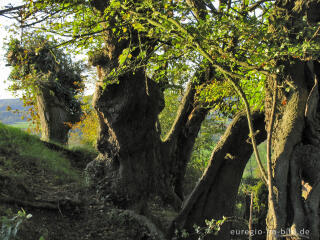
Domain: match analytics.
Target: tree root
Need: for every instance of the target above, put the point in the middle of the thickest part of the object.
(65, 206)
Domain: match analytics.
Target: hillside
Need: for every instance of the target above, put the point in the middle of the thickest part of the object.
(47, 181)
(9, 117)
(252, 169)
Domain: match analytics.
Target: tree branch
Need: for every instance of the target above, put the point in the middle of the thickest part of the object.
(251, 129)
(257, 4)
(10, 9)
(221, 179)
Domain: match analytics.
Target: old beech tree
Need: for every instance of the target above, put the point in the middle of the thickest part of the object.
(232, 48)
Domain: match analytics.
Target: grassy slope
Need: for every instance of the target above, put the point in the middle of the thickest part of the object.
(21, 125)
(31, 173)
(21, 152)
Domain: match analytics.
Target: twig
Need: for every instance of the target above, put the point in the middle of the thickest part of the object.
(315, 34)
(59, 209)
(250, 217)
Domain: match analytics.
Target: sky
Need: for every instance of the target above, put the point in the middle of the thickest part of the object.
(5, 70)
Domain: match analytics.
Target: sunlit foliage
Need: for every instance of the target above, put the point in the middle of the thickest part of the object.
(37, 64)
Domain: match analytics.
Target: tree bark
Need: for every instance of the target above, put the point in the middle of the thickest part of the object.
(129, 141)
(184, 131)
(295, 152)
(215, 194)
(130, 163)
(55, 121)
(133, 159)
(295, 139)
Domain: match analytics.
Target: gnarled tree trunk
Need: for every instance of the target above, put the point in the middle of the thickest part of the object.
(295, 137)
(133, 159)
(54, 119)
(180, 140)
(129, 141)
(215, 194)
(295, 156)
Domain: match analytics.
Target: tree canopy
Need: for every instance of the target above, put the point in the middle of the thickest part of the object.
(243, 41)
(227, 56)
(36, 65)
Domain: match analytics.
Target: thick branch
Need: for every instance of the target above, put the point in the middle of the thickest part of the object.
(199, 8)
(256, 5)
(181, 138)
(185, 109)
(10, 9)
(62, 205)
(251, 129)
(220, 182)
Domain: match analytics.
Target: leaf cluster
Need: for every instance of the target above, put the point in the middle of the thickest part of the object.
(10, 226)
(169, 39)
(37, 65)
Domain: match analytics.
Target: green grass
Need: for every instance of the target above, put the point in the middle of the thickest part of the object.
(19, 148)
(87, 151)
(252, 169)
(21, 125)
